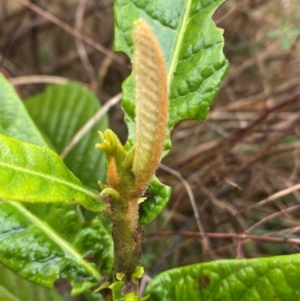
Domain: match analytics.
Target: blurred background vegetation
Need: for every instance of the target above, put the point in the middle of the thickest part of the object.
(247, 151)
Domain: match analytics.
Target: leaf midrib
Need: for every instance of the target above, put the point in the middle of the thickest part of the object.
(51, 178)
(64, 245)
(178, 43)
(5, 293)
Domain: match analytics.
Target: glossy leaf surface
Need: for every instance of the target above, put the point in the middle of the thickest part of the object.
(263, 279)
(45, 243)
(15, 288)
(157, 196)
(38, 253)
(36, 174)
(60, 112)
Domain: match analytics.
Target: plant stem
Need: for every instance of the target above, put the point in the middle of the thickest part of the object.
(128, 237)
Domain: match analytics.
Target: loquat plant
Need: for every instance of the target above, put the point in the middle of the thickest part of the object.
(56, 222)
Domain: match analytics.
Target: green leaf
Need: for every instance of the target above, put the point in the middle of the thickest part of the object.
(261, 279)
(116, 289)
(37, 174)
(193, 50)
(38, 253)
(44, 243)
(14, 119)
(60, 112)
(157, 196)
(25, 291)
(90, 296)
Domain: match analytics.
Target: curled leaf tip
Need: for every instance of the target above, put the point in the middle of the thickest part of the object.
(110, 142)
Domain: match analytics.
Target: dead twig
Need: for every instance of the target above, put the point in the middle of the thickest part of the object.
(196, 158)
(241, 236)
(80, 46)
(37, 79)
(72, 31)
(205, 242)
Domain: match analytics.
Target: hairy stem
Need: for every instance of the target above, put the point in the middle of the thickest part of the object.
(128, 237)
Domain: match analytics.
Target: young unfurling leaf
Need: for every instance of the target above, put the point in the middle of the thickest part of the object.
(129, 172)
(151, 100)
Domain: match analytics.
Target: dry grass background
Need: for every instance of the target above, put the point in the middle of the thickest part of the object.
(240, 170)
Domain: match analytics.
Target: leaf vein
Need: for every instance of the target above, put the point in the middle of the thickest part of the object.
(67, 248)
(51, 178)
